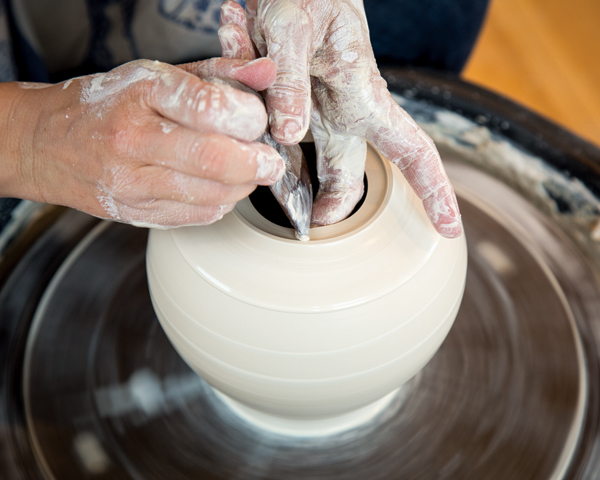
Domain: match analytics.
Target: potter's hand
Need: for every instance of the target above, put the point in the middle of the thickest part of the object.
(322, 50)
(146, 143)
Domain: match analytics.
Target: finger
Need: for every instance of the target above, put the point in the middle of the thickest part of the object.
(168, 214)
(160, 183)
(288, 32)
(209, 156)
(253, 30)
(205, 107)
(235, 42)
(234, 34)
(258, 74)
(409, 147)
(232, 13)
(339, 189)
(340, 168)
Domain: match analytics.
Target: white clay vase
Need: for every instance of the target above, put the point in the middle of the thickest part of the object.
(309, 338)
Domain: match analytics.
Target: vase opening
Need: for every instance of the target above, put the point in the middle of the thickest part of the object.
(265, 203)
(265, 215)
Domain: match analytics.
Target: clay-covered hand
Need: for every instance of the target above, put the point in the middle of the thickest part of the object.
(146, 143)
(322, 51)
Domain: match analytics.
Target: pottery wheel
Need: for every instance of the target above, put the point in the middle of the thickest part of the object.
(107, 397)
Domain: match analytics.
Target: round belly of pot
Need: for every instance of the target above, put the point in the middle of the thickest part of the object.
(313, 337)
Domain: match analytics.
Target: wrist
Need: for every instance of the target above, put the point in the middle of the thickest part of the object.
(18, 119)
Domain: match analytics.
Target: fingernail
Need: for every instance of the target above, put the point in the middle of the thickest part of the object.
(231, 13)
(259, 73)
(286, 130)
(333, 207)
(453, 226)
(265, 63)
(257, 61)
(226, 14)
(270, 166)
(241, 68)
(451, 229)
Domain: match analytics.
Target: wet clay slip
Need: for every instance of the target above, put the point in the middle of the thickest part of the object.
(314, 337)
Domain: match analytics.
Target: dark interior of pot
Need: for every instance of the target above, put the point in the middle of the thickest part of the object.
(263, 200)
(91, 387)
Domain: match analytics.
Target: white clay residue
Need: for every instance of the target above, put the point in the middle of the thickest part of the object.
(299, 211)
(168, 127)
(102, 88)
(302, 238)
(32, 85)
(96, 84)
(194, 104)
(231, 109)
(175, 99)
(268, 163)
(229, 45)
(109, 204)
(272, 27)
(298, 202)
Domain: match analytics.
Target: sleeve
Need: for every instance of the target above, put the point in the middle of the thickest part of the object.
(8, 70)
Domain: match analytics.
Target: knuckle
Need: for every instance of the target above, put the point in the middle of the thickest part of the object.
(212, 103)
(137, 64)
(209, 67)
(124, 138)
(212, 161)
(204, 97)
(283, 13)
(120, 141)
(225, 109)
(290, 81)
(133, 188)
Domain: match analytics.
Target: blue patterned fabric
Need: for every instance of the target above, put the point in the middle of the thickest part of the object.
(193, 14)
(104, 34)
(8, 70)
(433, 33)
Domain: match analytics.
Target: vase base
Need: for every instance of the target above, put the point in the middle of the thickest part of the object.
(307, 427)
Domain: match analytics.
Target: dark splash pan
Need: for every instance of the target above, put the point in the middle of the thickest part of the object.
(91, 388)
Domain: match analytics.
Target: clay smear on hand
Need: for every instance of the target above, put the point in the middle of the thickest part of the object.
(143, 107)
(294, 191)
(328, 43)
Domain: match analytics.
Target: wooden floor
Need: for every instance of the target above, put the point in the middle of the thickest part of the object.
(545, 54)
